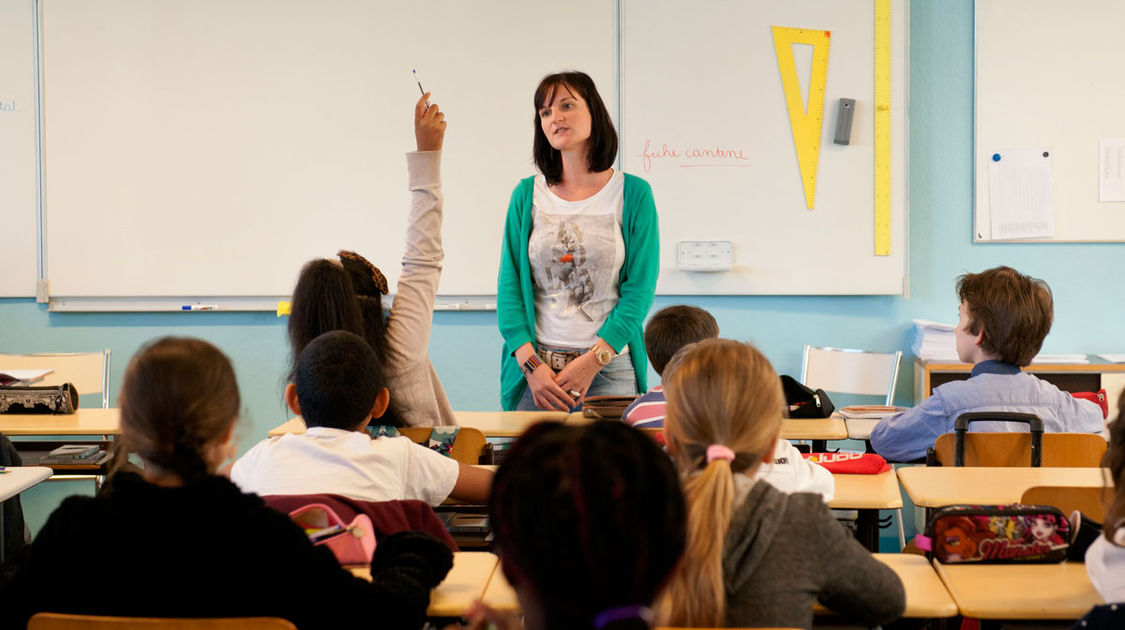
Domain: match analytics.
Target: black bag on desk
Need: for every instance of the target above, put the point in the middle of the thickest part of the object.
(50, 399)
(804, 402)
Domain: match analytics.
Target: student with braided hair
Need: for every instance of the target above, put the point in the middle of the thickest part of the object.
(755, 555)
(588, 523)
(179, 540)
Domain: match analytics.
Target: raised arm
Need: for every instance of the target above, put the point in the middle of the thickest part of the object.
(408, 327)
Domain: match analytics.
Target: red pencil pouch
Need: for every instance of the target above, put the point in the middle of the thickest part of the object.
(996, 534)
(850, 463)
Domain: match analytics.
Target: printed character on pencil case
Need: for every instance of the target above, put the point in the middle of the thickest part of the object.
(1016, 533)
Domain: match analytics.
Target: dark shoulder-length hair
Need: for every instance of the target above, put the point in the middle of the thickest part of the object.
(603, 137)
(323, 301)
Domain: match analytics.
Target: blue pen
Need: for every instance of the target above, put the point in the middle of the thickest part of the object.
(199, 307)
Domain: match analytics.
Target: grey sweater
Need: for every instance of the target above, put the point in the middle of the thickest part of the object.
(413, 383)
(785, 551)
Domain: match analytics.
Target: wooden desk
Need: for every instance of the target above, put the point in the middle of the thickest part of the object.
(1020, 591)
(491, 423)
(1071, 377)
(466, 582)
(814, 428)
(506, 423)
(14, 480)
(83, 422)
(932, 487)
(868, 494)
(926, 595)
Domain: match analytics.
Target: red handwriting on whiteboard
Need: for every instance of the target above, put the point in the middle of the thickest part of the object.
(692, 156)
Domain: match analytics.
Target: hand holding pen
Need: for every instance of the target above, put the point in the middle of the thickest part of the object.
(429, 122)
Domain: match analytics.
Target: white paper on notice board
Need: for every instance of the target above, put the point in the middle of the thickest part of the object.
(1021, 202)
(1111, 169)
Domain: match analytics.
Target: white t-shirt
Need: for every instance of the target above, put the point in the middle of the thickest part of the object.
(1105, 564)
(349, 463)
(576, 251)
(789, 472)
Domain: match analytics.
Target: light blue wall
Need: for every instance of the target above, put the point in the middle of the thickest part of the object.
(465, 346)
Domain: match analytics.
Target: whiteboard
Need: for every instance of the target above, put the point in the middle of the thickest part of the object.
(1048, 76)
(704, 76)
(18, 243)
(210, 147)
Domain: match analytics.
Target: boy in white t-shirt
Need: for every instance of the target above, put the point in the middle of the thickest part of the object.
(675, 327)
(338, 388)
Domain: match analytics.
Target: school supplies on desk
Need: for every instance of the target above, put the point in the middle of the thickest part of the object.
(50, 399)
(996, 534)
(75, 455)
(869, 411)
(850, 463)
(9, 378)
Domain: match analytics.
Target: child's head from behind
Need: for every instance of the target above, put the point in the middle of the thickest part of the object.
(1012, 312)
(179, 400)
(674, 327)
(587, 520)
(723, 417)
(338, 382)
(344, 294)
(722, 392)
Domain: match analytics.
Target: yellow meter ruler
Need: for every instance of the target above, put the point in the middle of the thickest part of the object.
(882, 127)
(805, 121)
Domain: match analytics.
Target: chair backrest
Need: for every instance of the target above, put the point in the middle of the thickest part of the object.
(851, 371)
(1089, 501)
(87, 371)
(57, 621)
(1060, 450)
(467, 446)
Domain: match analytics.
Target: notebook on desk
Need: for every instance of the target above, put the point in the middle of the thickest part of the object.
(9, 378)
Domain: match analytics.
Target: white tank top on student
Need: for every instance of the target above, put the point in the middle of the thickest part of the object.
(576, 251)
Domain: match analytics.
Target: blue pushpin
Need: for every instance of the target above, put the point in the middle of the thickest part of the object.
(995, 157)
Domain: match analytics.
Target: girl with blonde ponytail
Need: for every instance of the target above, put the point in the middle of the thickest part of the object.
(755, 556)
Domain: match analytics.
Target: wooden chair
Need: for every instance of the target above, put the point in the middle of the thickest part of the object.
(850, 371)
(469, 447)
(57, 621)
(1089, 501)
(1060, 450)
(87, 371)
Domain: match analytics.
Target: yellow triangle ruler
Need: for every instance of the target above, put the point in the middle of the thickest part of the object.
(804, 121)
(882, 127)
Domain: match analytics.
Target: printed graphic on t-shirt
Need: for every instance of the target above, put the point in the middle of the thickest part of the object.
(573, 258)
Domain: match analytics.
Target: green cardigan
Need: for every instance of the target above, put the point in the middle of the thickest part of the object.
(515, 300)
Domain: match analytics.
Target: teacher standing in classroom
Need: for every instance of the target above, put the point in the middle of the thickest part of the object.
(580, 258)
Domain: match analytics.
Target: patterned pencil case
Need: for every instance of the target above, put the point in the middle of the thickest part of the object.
(39, 399)
(996, 534)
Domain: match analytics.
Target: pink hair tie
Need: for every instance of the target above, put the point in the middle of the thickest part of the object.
(718, 451)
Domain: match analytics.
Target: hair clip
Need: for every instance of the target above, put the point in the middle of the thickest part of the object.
(361, 270)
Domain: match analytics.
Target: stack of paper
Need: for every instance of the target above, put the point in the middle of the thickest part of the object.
(22, 377)
(1060, 358)
(934, 341)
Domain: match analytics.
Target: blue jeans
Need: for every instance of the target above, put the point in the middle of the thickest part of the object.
(616, 379)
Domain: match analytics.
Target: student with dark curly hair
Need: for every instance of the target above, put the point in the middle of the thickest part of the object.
(588, 523)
